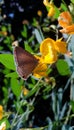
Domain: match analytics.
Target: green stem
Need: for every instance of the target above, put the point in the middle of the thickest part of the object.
(68, 115)
(69, 39)
(12, 125)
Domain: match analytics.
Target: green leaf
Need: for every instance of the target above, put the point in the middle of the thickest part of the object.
(72, 105)
(1, 48)
(15, 86)
(35, 23)
(32, 91)
(3, 28)
(6, 122)
(5, 93)
(12, 75)
(64, 7)
(38, 35)
(72, 1)
(24, 31)
(9, 28)
(7, 60)
(31, 39)
(57, 12)
(7, 40)
(28, 48)
(62, 67)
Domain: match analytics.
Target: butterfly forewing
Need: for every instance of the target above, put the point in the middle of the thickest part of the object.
(25, 62)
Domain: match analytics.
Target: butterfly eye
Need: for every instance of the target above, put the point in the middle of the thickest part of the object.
(23, 77)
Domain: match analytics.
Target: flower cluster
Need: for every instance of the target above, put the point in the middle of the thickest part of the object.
(49, 48)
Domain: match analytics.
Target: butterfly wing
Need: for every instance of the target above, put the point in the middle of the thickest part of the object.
(25, 62)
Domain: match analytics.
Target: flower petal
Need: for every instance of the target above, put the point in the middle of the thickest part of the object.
(40, 70)
(65, 19)
(46, 3)
(51, 12)
(49, 54)
(1, 112)
(50, 58)
(46, 45)
(60, 46)
(3, 126)
(68, 29)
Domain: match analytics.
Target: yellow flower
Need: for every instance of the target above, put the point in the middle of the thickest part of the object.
(40, 70)
(45, 2)
(39, 13)
(3, 126)
(4, 33)
(60, 46)
(1, 112)
(49, 49)
(51, 12)
(65, 21)
(50, 7)
(25, 91)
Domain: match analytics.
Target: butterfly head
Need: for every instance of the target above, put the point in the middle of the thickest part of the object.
(15, 44)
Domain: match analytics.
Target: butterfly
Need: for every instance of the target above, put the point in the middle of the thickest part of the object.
(25, 62)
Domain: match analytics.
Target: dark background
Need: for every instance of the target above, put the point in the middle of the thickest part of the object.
(18, 10)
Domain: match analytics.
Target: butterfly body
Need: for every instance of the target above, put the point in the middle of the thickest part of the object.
(25, 62)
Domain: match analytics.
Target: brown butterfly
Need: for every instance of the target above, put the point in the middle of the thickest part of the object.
(25, 62)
